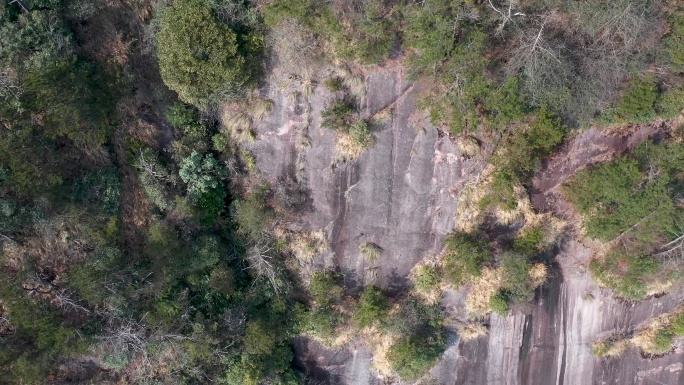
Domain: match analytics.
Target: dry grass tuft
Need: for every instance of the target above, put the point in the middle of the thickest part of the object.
(260, 109)
(468, 146)
(485, 286)
(523, 210)
(348, 149)
(471, 331)
(236, 122)
(295, 47)
(538, 274)
(357, 87)
(380, 343)
(610, 348)
(646, 339)
(370, 251)
(659, 286)
(371, 272)
(307, 245)
(239, 118)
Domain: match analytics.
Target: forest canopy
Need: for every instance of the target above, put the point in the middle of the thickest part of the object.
(140, 241)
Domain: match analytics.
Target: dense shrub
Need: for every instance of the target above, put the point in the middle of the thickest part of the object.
(674, 41)
(671, 103)
(415, 318)
(529, 241)
(412, 356)
(427, 278)
(628, 275)
(465, 255)
(638, 101)
(252, 215)
(199, 56)
(326, 288)
(663, 340)
(204, 177)
(499, 303)
(521, 155)
(516, 275)
(338, 115)
(356, 32)
(625, 192)
(372, 308)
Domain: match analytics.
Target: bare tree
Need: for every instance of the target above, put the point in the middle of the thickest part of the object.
(261, 264)
(6, 326)
(672, 251)
(124, 336)
(65, 300)
(506, 13)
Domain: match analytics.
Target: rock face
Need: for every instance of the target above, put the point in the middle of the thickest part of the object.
(402, 195)
(553, 344)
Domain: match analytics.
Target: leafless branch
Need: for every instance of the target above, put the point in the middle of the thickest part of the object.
(260, 264)
(65, 300)
(5, 237)
(506, 15)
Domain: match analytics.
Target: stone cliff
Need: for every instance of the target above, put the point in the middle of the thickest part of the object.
(402, 194)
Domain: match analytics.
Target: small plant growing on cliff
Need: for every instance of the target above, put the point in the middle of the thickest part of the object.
(334, 84)
(465, 255)
(610, 348)
(426, 278)
(360, 132)
(412, 356)
(370, 251)
(471, 331)
(678, 325)
(338, 115)
(326, 288)
(529, 241)
(372, 307)
(499, 303)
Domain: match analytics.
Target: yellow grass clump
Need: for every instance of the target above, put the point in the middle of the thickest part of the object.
(468, 213)
(357, 86)
(468, 146)
(370, 251)
(307, 245)
(523, 209)
(484, 287)
(238, 119)
(380, 343)
(471, 331)
(610, 348)
(646, 339)
(538, 274)
(348, 149)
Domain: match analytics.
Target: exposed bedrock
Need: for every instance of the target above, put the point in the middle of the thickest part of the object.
(402, 195)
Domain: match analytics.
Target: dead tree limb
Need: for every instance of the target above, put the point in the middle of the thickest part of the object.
(21, 5)
(506, 16)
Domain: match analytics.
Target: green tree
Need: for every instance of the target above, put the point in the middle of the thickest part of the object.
(372, 307)
(466, 253)
(517, 277)
(412, 356)
(200, 56)
(203, 175)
